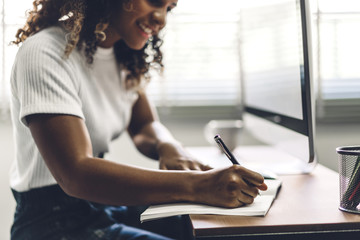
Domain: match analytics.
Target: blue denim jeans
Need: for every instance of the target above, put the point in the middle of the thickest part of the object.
(49, 213)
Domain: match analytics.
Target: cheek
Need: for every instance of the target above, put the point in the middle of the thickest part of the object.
(121, 24)
(120, 17)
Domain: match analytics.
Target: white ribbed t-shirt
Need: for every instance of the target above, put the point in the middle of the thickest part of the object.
(44, 81)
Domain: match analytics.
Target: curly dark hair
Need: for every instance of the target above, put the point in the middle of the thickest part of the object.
(84, 20)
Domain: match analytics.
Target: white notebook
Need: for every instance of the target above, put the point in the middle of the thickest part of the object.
(259, 207)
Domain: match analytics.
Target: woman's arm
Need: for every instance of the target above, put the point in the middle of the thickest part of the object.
(155, 141)
(64, 143)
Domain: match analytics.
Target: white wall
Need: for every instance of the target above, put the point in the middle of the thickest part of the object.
(328, 137)
(7, 205)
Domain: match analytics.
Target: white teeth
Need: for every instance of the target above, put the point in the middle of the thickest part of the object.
(145, 29)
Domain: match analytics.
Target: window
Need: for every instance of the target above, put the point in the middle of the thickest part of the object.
(201, 55)
(201, 51)
(202, 66)
(3, 87)
(12, 16)
(205, 70)
(338, 50)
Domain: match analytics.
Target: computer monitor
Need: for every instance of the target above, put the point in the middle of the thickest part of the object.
(276, 77)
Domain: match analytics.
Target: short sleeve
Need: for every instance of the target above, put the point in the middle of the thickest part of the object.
(44, 80)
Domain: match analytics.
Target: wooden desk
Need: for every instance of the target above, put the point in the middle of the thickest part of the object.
(305, 208)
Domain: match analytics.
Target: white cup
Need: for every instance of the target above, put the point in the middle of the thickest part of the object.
(229, 131)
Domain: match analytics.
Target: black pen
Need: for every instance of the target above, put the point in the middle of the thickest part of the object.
(227, 152)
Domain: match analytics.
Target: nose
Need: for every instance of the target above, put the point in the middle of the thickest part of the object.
(159, 18)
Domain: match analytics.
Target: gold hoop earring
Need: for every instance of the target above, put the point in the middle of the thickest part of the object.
(128, 6)
(100, 35)
(99, 31)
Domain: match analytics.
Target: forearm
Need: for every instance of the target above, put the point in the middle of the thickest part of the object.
(110, 183)
(106, 182)
(151, 139)
(65, 147)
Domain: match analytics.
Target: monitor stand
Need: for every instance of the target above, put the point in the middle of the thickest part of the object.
(268, 158)
(261, 158)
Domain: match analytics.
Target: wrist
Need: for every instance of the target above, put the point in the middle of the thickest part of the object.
(169, 148)
(197, 183)
(192, 183)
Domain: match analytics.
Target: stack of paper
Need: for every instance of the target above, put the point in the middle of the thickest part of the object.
(259, 207)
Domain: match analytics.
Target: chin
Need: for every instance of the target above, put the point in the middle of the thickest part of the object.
(135, 46)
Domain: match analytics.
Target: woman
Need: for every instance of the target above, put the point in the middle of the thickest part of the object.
(77, 84)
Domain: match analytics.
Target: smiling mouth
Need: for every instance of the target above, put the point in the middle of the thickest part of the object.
(146, 30)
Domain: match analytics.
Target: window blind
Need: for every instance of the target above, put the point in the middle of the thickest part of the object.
(201, 55)
(3, 90)
(12, 17)
(338, 52)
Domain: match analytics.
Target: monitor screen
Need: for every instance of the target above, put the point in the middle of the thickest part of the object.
(276, 78)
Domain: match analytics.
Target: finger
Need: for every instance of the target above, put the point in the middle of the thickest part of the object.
(194, 166)
(205, 167)
(249, 189)
(251, 177)
(241, 203)
(245, 198)
(182, 166)
(252, 192)
(162, 166)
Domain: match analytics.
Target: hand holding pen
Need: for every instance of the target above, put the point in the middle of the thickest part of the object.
(226, 151)
(232, 186)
